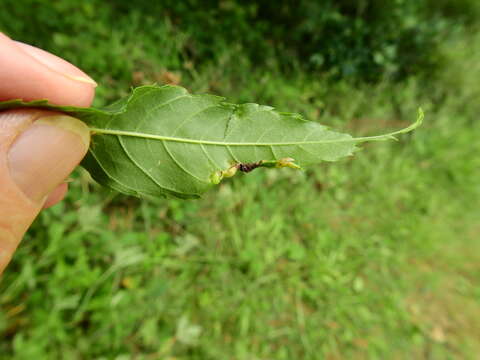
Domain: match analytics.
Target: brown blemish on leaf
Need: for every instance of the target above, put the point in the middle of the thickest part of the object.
(217, 176)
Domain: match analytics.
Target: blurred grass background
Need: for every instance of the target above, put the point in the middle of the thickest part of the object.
(371, 258)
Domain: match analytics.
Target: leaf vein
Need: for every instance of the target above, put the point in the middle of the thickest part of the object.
(178, 163)
(191, 117)
(232, 154)
(109, 175)
(140, 167)
(212, 161)
(212, 142)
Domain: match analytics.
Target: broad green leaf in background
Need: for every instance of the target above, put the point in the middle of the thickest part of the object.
(163, 141)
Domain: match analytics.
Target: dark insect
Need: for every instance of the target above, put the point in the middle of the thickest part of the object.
(246, 168)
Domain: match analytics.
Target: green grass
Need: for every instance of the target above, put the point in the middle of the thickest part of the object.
(374, 257)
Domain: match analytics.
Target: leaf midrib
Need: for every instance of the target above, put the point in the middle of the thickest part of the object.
(223, 143)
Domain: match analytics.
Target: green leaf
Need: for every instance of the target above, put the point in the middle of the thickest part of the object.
(163, 141)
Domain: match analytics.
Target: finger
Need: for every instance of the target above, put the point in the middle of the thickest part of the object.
(30, 73)
(56, 195)
(38, 150)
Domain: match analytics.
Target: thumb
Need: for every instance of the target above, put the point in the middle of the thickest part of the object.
(38, 150)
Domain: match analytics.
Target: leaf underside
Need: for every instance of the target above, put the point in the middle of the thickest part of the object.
(163, 141)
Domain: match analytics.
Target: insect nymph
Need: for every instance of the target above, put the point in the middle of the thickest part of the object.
(247, 167)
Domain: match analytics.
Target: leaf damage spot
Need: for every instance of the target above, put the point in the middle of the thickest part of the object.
(218, 176)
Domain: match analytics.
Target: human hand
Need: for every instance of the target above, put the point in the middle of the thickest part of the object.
(38, 148)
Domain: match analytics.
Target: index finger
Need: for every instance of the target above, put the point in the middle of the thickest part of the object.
(29, 73)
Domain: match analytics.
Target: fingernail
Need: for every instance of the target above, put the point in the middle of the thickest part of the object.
(56, 64)
(44, 155)
(83, 79)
